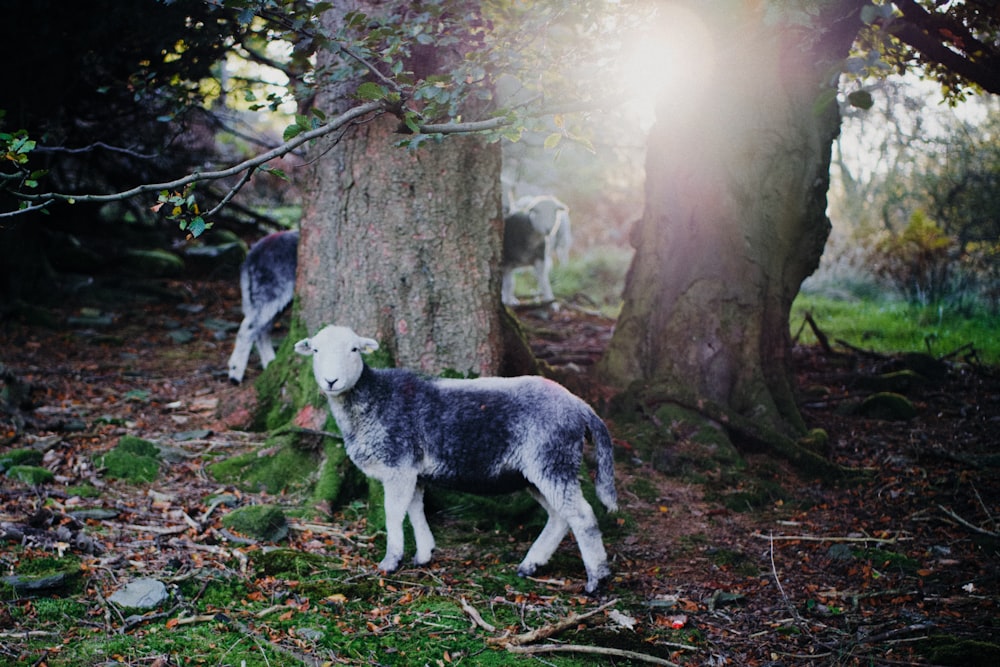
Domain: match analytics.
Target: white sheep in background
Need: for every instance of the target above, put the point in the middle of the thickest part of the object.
(534, 230)
(486, 435)
(267, 283)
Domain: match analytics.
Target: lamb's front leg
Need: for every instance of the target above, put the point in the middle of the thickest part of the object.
(421, 530)
(399, 491)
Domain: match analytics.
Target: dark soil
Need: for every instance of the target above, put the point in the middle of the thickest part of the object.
(898, 567)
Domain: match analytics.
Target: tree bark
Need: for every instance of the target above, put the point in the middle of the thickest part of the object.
(403, 245)
(734, 220)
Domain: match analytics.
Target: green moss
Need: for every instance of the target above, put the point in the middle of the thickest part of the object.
(293, 562)
(889, 406)
(883, 559)
(45, 565)
(816, 440)
(644, 489)
(133, 459)
(338, 478)
(83, 491)
(155, 262)
(130, 444)
(287, 385)
(39, 575)
(59, 610)
(289, 469)
(960, 652)
(265, 522)
(33, 475)
(20, 457)
(752, 494)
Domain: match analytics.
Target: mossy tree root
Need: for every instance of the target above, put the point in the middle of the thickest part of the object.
(744, 429)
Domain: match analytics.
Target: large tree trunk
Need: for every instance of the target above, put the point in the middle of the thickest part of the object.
(734, 220)
(403, 247)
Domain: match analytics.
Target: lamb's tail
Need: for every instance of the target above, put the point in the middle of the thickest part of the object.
(605, 481)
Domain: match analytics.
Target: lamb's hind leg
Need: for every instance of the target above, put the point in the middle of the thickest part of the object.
(264, 346)
(542, 268)
(547, 541)
(568, 502)
(245, 338)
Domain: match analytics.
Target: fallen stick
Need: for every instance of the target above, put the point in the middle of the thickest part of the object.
(473, 613)
(593, 650)
(813, 538)
(971, 526)
(551, 629)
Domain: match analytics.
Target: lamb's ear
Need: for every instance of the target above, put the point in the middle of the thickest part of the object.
(368, 345)
(305, 347)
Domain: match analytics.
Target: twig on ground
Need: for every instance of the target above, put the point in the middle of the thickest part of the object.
(986, 510)
(593, 650)
(551, 629)
(322, 529)
(473, 613)
(890, 634)
(971, 526)
(777, 580)
(156, 530)
(814, 538)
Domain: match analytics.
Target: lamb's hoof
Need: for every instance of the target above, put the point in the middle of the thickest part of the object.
(233, 381)
(389, 566)
(420, 562)
(594, 584)
(526, 570)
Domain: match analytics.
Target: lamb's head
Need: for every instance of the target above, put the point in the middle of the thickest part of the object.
(545, 212)
(336, 353)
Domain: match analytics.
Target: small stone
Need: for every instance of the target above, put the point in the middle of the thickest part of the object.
(140, 594)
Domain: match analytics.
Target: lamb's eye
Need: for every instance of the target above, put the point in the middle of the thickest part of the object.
(354, 349)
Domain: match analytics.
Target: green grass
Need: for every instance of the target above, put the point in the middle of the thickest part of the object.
(286, 607)
(890, 326)
(596, 277)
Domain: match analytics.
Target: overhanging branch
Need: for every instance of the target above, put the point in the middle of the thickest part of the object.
(247, 167)
(251, 164)
(915, 32)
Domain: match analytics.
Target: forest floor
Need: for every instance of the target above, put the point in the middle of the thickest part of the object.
(901, 566)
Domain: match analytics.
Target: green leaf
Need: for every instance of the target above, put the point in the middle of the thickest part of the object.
(274, 171)
(292, 131)
(198, 226)
(861, 99)
(552, 140)
(412, 121)
(371, 91)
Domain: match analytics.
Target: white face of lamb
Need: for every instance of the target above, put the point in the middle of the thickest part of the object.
(336, 353)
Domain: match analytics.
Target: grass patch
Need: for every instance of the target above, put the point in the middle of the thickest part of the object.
(289, 607)
(893, 326)
(597, 275)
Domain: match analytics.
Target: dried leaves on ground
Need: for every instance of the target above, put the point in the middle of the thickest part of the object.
(898, 567)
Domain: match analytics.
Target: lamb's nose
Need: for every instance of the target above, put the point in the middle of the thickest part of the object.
(330, 383)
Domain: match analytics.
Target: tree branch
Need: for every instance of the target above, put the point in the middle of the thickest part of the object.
(250, 164)
(914, 31)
